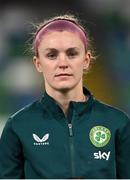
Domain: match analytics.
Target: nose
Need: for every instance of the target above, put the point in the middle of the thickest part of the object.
(63, 62)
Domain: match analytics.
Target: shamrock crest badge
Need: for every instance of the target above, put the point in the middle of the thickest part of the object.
(99, 136)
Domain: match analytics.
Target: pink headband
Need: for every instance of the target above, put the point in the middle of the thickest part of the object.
(59, 25)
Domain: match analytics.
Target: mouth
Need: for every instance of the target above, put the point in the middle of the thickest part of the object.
(63, 75)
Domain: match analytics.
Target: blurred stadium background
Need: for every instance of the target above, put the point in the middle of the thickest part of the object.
(108, 22)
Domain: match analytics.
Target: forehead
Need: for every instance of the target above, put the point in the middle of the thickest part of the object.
(62, 39)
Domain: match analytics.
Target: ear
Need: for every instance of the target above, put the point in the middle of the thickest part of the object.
(37, 64)
(87, 60)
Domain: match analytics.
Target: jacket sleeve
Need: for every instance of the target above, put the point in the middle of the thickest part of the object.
(11, 156)
(123, 151)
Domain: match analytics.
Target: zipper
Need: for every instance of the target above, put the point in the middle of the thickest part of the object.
(71, 149)
(70, 129)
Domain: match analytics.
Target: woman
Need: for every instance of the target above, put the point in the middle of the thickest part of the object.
(68, 133)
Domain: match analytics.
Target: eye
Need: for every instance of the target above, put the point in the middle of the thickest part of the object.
(52, 55)
(72, 53)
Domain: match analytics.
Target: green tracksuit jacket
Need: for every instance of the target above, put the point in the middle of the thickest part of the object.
(93, 141)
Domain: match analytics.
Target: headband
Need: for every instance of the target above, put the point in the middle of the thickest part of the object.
(60, 25)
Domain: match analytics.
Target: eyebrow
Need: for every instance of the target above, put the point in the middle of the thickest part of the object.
(53, 49)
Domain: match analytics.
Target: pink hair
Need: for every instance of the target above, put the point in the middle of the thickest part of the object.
(60, 25)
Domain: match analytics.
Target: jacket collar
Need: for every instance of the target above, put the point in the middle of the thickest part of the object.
(52, 106)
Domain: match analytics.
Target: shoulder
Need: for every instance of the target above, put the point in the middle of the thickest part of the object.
(26, 113)
(111, 112)
(24, 121)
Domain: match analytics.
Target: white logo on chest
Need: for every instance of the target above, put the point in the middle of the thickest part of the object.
(102, 155)
(41, 141)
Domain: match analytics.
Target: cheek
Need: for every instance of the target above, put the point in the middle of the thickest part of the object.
(48, 70)
(78, 69)
(79, 66)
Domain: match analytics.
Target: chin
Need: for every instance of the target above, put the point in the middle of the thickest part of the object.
(65, 88)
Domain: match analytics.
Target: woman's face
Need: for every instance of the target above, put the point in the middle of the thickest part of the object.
(61, 59)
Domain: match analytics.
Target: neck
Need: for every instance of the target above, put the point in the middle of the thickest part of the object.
(63, 98)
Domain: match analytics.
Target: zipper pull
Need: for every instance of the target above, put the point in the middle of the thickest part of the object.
(70, 129)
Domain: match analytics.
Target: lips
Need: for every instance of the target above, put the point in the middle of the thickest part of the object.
(63, 74)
